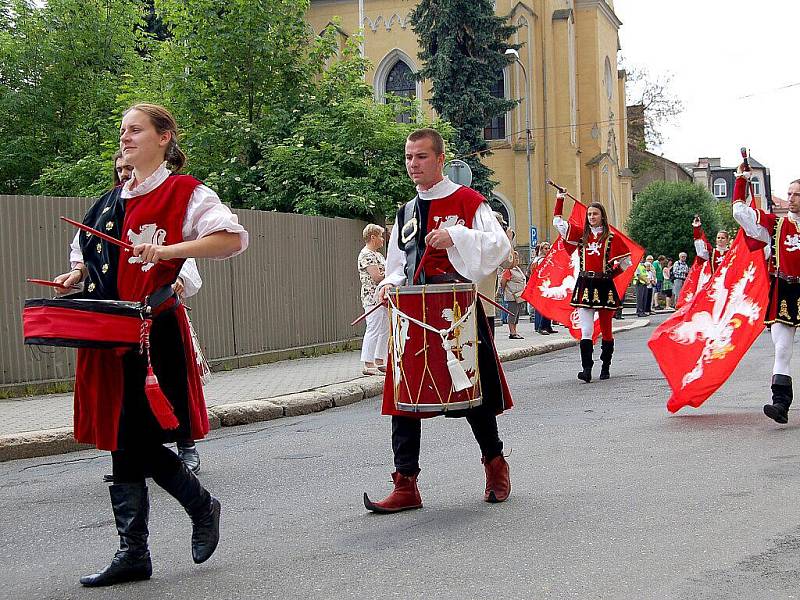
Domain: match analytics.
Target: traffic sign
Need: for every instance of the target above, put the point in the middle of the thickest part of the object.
(459, 172)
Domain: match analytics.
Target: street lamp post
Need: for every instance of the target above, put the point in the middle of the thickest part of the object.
(515, 54)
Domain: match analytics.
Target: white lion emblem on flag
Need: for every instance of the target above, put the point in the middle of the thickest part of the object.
(148, 234)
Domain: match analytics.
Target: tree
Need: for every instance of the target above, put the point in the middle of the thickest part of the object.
(345, 154)
(726, 220)
(61, 65)
(463, 52)
(650, 106)
(662, 214)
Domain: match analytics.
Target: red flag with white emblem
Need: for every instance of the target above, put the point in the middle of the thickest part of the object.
(551, 283)
(699, 346)
(698, 276)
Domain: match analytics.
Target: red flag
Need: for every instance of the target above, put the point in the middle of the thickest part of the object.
(698, 276)
(551, 283)
(699, 346)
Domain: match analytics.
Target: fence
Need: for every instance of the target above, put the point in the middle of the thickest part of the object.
(295, 286)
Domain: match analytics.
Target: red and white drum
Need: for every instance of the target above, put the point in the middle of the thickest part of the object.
(433, 347)
(82, 323)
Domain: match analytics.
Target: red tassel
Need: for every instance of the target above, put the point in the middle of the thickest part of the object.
(159, 404)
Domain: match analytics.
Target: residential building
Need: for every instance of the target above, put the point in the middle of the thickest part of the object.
(709, 172)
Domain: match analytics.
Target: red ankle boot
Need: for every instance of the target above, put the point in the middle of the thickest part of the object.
(404, 496)
(498, 479)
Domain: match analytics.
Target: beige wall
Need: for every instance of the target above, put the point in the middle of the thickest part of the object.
(564, 47)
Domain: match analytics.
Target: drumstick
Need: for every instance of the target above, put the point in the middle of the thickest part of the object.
(99, 234)
(421, 262)
(52, 284)
(368, 313)
(495, 304)
(562, 190)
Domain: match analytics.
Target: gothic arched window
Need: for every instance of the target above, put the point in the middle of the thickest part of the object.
(400, 81)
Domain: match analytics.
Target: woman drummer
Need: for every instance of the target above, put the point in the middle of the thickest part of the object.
(167, 218)
(603, 256)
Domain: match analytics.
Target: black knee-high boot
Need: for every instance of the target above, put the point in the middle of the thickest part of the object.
(132, 561)
(606, 352)
(201, 506)
(587, 347)
(781, 399)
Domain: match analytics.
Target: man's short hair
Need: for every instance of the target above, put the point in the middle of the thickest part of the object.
(370, 230)
(434, 136)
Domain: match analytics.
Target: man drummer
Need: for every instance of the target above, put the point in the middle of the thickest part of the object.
(453, 228)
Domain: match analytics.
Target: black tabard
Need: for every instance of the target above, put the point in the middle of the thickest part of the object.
(100, 257)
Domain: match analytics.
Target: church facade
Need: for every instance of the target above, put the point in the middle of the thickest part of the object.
(571, 85)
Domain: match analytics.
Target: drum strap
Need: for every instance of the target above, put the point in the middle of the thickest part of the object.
(408, 238)
(160, 296)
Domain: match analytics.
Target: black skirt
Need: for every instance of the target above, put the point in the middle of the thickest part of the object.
(784, 303)
(137, 424)
(595, 292)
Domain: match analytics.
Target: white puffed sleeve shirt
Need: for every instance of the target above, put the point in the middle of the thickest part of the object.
(205, 214)
(476, 253)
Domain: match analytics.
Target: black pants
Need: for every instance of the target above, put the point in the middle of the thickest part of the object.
(407, 433)
(133, 465)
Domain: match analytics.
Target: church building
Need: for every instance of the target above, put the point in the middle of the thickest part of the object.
(568, 78)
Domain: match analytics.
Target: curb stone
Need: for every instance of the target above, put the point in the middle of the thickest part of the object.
(34, 444)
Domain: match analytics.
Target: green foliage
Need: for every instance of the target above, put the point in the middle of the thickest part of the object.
(272, 116)
(60, 67)
(662, 214)
(89, 176)
(726, 220)
(463, 50)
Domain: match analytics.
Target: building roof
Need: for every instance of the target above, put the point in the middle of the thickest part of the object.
(778, 202)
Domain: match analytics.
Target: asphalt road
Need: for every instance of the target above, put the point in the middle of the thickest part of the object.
(613, 497)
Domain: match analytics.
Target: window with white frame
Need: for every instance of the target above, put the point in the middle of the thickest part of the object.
(720, 187)
(400, 81)
(756, 186)
(496, 128)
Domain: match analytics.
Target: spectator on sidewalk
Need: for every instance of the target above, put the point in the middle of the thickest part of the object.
(658, 270)
(651, 285)
(648, 265)
(679, 272)
(371, 271)
(512, 284)
(640, 280)
(511, 234)
(489, 285)
(667, 286)
(541, 324)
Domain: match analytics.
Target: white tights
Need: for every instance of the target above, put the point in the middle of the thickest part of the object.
(782, 339)
(586, 320)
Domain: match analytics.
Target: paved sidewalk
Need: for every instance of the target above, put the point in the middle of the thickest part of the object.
(41, 425)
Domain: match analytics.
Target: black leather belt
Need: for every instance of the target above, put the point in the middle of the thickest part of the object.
(787, 278)
(594, 275)
(445, 278)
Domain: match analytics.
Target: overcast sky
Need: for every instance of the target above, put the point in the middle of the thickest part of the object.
(728, 60)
